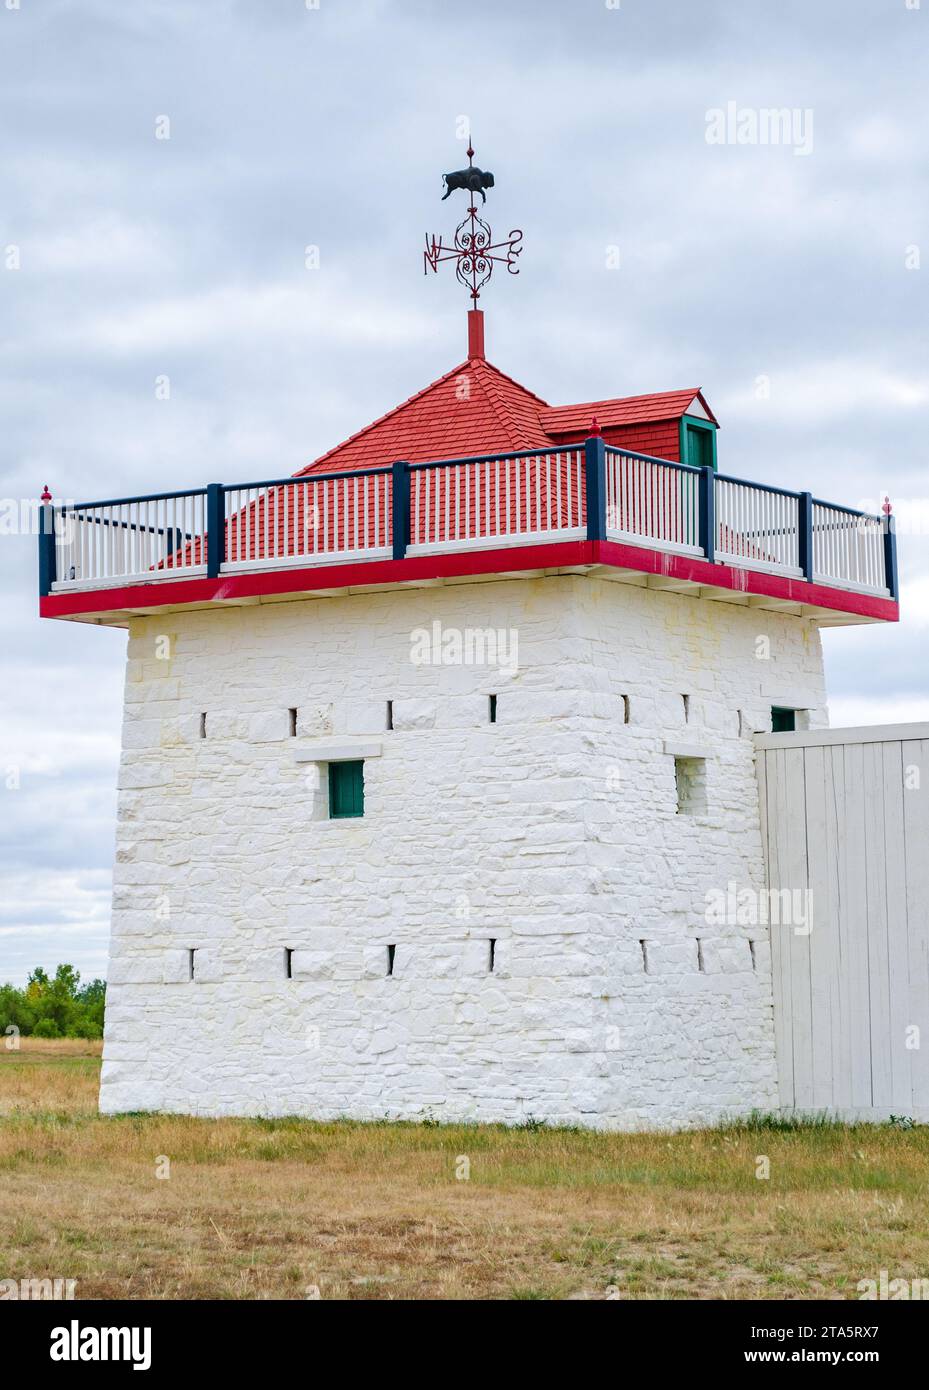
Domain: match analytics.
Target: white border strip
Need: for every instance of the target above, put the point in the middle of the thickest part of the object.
(865, 733)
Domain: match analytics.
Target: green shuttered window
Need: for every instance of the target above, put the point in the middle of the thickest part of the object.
(783, 721)
(346, 790)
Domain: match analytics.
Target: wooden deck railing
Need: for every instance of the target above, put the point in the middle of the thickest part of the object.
(592, 491)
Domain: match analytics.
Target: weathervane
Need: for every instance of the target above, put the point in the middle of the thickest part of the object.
(473, 248)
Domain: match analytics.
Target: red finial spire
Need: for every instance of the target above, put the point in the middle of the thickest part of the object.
(46, 495)
(475, 333)
(887, 507)
(594, 428)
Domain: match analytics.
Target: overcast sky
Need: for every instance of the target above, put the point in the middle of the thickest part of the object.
(784, 279)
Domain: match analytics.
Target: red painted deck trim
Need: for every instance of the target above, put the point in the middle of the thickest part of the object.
(510, 559)
(697, 571)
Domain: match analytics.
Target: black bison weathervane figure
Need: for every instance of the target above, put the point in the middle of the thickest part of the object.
(473, 248)
(473, 179)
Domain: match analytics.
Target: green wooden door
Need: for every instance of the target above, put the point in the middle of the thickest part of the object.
(699, 447)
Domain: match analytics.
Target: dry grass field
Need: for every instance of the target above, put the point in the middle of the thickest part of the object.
(274, 1209)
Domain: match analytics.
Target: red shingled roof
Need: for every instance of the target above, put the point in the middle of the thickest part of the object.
(476, 409)
(473, 409)
(560, 420)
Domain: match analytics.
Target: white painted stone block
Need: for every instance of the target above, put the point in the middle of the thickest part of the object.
(357, 717)
(414, 714)
(679, 748)
(313, 965)
(374, 961)
(187, 726)
(137, 969)
(342, 750)
(475, 957)
(224, 724)
(264, 964)
(669, 709)
(726, 955)
(209, 965)
(314, 720)
(176, 967)
(429, 960)
(668, 957)
(140, 775)
(269, 726)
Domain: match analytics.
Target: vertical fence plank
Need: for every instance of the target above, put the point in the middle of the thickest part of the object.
(915, 753)
(780, 941)
(898, 983)
(872, 795)
(823, 943)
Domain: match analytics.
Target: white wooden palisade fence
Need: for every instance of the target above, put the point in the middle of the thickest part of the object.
(845, 824)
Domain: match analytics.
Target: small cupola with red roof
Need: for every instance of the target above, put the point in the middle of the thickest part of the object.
(676, 425)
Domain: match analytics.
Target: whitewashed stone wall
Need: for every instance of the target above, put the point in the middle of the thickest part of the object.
(553, 831)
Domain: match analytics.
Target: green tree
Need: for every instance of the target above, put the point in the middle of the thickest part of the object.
(55, 1007)
(15, 1010)
(92, 1000)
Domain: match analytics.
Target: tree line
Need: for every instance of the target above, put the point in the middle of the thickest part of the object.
(57, 1006)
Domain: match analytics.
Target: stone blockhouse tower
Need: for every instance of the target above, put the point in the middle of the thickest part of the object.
(434, 755)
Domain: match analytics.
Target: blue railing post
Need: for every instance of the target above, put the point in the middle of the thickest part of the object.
(215, 529)
(891, 578)
(46, 548)
(595, 471)
(805, 533)
(400, 510)
(706, 494)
